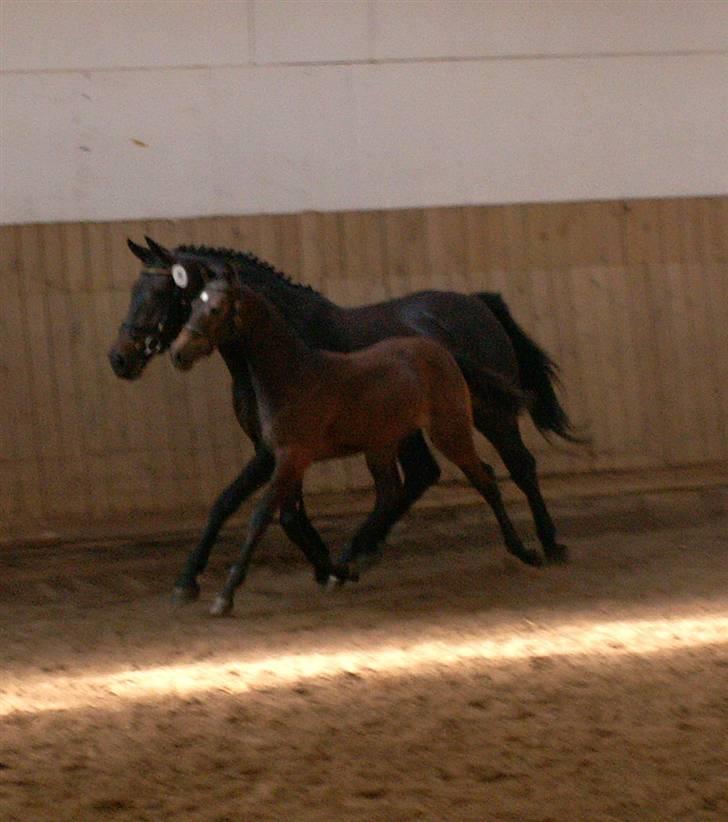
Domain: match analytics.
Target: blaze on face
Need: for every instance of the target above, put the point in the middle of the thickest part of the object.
(209, 321)
(157, 311)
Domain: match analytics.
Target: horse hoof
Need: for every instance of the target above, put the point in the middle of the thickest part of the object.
(331, 583)
(556, 554)
(222, 606)
(181, 595)
(338, 576)
(532, 558)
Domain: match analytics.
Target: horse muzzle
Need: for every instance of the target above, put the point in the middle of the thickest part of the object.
(126, 360)
(188, 348)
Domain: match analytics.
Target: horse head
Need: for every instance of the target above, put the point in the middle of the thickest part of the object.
(212, 318)
(160, 304)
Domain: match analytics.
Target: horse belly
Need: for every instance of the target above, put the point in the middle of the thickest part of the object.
(378, 423)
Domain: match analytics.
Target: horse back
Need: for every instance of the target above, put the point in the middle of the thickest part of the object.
(413, 369)
(462, 323)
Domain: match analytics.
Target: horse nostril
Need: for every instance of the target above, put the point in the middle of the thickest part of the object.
(118, 360)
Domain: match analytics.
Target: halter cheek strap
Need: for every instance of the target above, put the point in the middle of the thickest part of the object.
(152, 343)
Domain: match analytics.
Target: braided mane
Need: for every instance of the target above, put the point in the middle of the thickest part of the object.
(307, 311)
(252, 266)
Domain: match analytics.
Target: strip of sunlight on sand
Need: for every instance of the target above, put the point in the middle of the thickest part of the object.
(233, 676)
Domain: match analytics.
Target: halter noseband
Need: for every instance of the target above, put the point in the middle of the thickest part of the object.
(152, 333)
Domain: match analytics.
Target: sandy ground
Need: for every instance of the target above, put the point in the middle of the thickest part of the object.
(450, 683)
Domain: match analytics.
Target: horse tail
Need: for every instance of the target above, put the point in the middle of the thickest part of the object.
(538, 373)
(490, 385)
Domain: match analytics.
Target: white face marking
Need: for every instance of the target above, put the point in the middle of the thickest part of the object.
(179, 275)
(204, 296)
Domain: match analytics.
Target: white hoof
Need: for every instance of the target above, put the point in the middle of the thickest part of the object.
(221, 606)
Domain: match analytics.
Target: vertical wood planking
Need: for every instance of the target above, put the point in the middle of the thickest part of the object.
(41, 425)
(86, 356)
(404, 233)
(68, 402)
(644, 268)
(630, 298)
(12, 369)
(554, 330)
(487, 249)
(618, 340)
(364, 257)
(685, 372)
(562, 221)
(705, 329)
(447, 249)
(715, 220)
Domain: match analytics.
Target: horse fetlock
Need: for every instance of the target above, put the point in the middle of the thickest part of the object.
(185, 592)
(528, 556)
(336, 576)
(556, 554)
(222, 606)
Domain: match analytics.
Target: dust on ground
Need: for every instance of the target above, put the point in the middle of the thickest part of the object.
(450, 683)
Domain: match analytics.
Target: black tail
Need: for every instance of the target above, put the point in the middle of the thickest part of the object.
(539, 373)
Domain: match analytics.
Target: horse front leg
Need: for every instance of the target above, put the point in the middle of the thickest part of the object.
(301, 531)
(283, 488)
(364, 549)
(255, 474)
(420, 471)
(505, 436)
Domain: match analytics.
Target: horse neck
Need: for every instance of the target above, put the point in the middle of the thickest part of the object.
(276, 355)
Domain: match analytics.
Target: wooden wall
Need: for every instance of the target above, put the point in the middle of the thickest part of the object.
(631, 298)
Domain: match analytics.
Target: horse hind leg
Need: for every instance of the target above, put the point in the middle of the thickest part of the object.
(504, 434)
(257, 472)
(283, 488)
(456, 443)
(420, 469)
(420, 472)
(301, 531)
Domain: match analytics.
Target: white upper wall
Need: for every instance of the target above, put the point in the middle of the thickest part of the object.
(151, 108)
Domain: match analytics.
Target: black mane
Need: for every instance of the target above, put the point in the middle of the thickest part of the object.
(306, 310)
(249, 268)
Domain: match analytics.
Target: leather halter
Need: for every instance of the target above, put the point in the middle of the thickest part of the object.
(151, 333)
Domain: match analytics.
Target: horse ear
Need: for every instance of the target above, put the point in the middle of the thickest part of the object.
(160, 251)
(141, 253)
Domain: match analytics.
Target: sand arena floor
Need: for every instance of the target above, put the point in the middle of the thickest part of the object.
(450, 683)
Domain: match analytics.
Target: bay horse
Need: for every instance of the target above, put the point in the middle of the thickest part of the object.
(477, 329)
(316, 405)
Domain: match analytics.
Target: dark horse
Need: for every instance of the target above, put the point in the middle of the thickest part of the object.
(310, 409)
(478, 330)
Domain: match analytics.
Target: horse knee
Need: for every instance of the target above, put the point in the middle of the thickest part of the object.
(290, 520)
(432, 472)
(418, 465)
(522, 468)
(422, 475)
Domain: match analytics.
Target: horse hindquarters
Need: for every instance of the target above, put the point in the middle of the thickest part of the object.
(452, 433)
